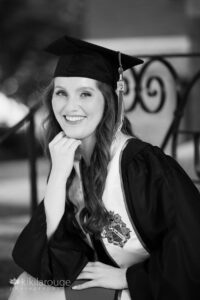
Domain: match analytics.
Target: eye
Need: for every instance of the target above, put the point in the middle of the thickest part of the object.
(85, 94)
(60, 93)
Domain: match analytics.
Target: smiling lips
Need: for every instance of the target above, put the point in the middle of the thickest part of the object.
(74, 119)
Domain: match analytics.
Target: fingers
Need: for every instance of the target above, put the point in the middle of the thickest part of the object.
(70, 144)
(58, 137)
(94, 265)
(86, 285)
(62, 150)
(74, 145)
(102, 275)
(91, 270)
(85, 275)
(61, 139)
(64, 141)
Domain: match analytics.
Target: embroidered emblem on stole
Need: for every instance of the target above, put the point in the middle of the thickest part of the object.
(116, 231)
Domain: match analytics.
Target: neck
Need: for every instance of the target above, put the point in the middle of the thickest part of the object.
(87, 148)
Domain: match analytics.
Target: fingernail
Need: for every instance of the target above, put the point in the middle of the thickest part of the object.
(75, 287)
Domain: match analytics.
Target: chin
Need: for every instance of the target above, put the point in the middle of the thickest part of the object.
(79, 133)
(73, 135)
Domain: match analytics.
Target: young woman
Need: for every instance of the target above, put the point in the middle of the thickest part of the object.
(117, 212)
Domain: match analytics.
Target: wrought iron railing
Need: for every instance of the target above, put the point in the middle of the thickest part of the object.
(143, 83)
(31, 143)
(182, 91)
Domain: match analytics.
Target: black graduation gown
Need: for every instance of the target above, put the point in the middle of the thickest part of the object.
(164, 206)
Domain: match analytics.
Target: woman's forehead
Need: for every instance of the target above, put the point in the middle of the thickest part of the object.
(75, 82)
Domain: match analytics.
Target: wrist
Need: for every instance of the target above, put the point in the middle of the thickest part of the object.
(57, 176)
(124, 280)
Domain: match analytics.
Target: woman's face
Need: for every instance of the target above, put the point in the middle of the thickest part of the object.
(78, 106)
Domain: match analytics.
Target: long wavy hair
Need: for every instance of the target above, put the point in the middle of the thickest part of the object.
(93, 216)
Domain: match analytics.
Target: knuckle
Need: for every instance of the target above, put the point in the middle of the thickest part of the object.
(91, 264)
(95, 264)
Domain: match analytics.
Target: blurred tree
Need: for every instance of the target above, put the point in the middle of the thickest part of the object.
(26, 26)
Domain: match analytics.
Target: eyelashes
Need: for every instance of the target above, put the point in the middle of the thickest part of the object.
(86, 94)
(63, 93)
(60, 93)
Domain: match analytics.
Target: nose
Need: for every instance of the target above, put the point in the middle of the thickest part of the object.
(72, 104)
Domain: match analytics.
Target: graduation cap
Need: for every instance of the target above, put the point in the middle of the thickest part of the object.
(78, 58)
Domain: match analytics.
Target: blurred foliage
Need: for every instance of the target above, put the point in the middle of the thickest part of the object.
(26, 27)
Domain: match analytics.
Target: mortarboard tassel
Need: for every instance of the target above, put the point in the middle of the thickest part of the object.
(120, 90)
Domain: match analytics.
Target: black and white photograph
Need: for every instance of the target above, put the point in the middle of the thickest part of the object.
(100, 150)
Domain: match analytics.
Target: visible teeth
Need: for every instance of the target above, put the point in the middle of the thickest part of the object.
(73, 118)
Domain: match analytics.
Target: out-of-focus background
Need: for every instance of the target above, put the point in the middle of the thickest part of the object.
(161, 99)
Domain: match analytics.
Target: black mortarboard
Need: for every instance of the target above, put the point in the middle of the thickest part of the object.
(78, 58)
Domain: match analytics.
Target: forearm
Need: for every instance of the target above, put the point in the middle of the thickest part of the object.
(54, 202)
(63, 257)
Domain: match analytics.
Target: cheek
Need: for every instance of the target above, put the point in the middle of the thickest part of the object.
(99, 109)
(56, 107)
(99, 115)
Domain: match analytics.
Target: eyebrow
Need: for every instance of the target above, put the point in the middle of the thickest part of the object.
(86, 88)
(80, 88)
(59, 86)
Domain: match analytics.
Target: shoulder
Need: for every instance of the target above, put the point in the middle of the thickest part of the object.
(145, 156)
(145, 161)
(132, 147)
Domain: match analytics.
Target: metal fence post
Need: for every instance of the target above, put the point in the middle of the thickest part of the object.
(32, 162)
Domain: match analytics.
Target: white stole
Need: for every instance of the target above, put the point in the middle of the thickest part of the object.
(120, 239)
(121, 242)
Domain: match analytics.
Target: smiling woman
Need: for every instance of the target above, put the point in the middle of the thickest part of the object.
(119, 217)
(78, 106)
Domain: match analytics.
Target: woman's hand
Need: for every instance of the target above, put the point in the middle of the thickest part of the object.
(102, 275)
(62, 150)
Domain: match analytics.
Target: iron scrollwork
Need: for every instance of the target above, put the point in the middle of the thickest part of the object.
(148, 86)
